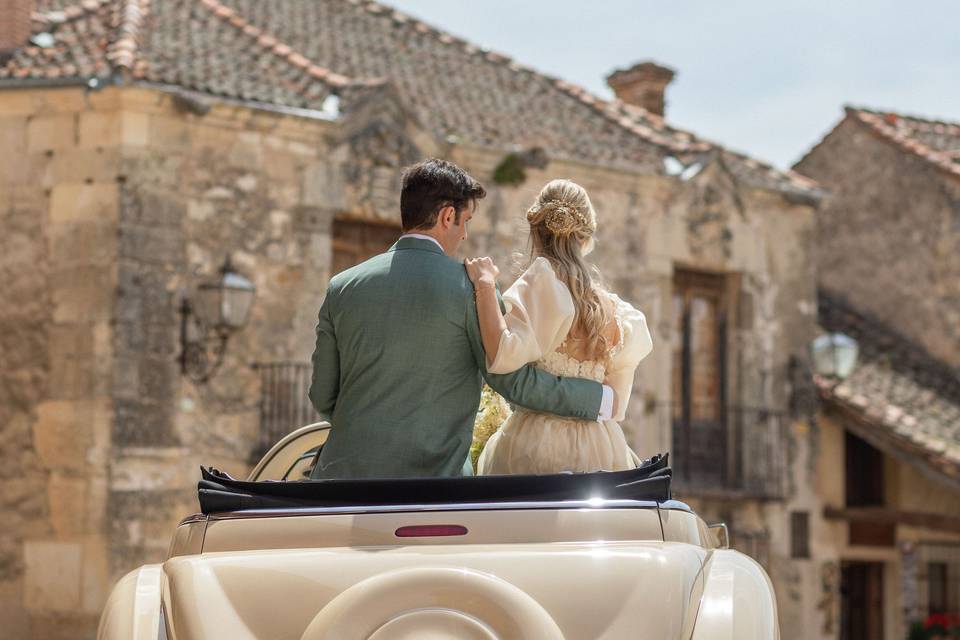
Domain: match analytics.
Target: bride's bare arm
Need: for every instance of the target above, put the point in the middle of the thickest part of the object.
(483, 274)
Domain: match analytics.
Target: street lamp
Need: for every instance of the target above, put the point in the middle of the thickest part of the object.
(834, 355)
(221, 308)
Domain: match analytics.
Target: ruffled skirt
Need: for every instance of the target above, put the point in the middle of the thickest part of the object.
(538, 443)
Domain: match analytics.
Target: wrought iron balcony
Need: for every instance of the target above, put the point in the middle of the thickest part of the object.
(743, 453)
(284, 403)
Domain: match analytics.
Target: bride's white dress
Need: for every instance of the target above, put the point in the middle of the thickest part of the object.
(539, 316)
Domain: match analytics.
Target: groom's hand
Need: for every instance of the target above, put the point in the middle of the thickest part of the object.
(482, 272)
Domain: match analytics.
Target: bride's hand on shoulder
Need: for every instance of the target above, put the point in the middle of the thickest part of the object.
(482, 272)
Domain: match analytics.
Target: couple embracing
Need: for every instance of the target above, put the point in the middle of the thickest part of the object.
(406, 339)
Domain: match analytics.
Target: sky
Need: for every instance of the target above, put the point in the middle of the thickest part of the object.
(766, 77)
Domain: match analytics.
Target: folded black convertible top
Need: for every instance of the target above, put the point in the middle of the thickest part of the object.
(220, 493)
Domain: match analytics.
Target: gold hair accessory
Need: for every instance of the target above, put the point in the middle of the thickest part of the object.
(561, 218)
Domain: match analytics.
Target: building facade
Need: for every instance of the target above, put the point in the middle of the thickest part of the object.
(886, 523)
(179, 133)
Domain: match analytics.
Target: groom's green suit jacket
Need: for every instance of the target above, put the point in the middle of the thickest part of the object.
(399, 364)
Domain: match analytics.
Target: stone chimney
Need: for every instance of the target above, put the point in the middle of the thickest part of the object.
(15, 25)
(643, 85)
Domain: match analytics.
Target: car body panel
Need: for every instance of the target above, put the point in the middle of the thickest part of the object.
(738, 601)
(133, 608)
(590, 590)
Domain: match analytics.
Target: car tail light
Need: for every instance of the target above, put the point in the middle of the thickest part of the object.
(430, 531)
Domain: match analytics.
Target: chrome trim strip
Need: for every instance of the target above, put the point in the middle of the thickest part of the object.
(467, 506)
(676, 505)
(195, 517)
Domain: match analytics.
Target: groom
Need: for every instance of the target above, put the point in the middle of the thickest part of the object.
(399, 362)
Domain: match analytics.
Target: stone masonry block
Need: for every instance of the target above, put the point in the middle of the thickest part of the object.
(15, 621)
(66, 100)
(45, 101)
(210, 140)
(52, 133)
(52, 578)
(152, 207)
(136, 129)
(99, 129)
(15, 164)
(67, 500)
(83, 165)
(142, 424)
(84, 294)
(75, 202)
(62, 433)
(72, 360)
(83, 244)
(168, 133)
(247, 151)
(98, 491)
(95, 581)
(151, 245)
(18, 103)
(323, 186)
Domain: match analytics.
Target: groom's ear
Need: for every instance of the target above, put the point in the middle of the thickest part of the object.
(447, 217)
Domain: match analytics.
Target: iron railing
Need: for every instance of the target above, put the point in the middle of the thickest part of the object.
(742, 452)
(284, 402)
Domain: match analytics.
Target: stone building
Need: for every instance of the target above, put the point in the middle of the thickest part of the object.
(146, 141)
(884, 522)
(895, 182)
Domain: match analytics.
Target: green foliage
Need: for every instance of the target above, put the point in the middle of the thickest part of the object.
(510, 171)
(917, 632)
(491, 414)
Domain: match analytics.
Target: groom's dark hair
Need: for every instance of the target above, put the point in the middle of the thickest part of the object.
(431, 185)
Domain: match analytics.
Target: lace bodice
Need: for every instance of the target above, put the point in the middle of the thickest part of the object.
(561, 364)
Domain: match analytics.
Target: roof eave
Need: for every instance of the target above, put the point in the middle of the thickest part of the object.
(878, 434)
(32, 83)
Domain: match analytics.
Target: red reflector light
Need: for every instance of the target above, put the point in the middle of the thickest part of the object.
(430, 531)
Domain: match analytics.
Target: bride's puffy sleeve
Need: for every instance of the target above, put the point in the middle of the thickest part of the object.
(635, 345)
(539, 313)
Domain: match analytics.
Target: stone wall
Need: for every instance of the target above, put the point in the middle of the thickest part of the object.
(58, 205)
(889, 235)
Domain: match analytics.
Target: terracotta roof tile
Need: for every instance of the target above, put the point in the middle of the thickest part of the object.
(904, 392)
(933, 140)
(295, 53)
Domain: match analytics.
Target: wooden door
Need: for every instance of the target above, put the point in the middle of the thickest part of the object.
(356, 240)
(861, 594)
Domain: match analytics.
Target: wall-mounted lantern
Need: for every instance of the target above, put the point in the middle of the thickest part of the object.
(222, 306)
(834, 355)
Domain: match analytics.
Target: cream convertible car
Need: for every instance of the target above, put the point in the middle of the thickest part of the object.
(593, 555)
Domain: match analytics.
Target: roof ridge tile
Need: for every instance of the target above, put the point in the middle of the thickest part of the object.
(70, 12)
(880, 123)
(123, 51)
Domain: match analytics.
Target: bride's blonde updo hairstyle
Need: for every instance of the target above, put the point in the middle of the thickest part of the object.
(562, 223)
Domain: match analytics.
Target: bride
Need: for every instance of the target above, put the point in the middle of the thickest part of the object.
(559, 317)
